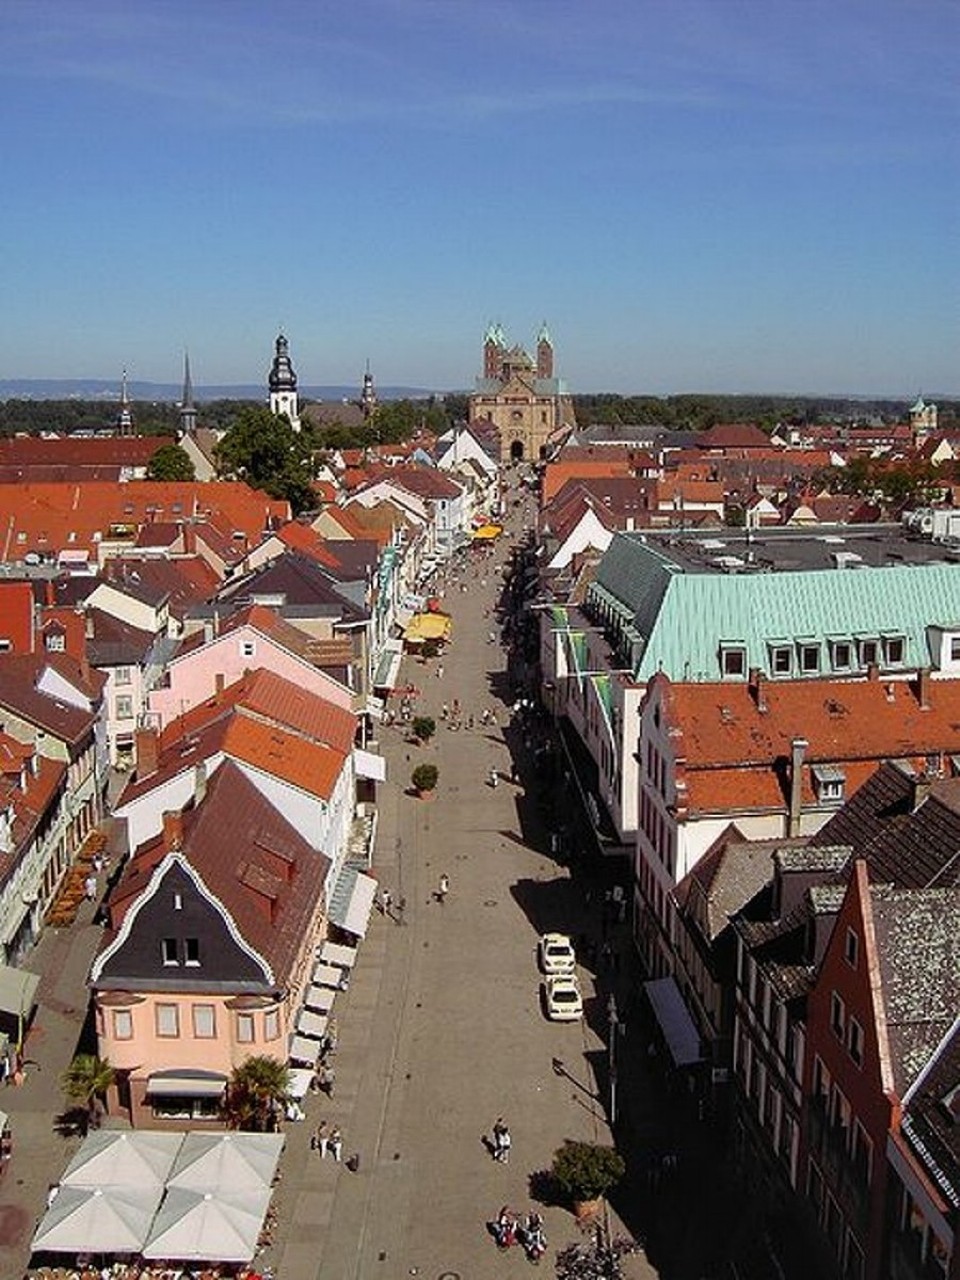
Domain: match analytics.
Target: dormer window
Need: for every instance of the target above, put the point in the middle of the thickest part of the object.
(841, 655)
(733, 660)
(894, 649)
(869, 651)
(808, 657)
(169, 951)
(55, 642)
(829, 783)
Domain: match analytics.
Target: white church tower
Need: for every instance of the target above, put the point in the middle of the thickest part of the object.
(283, 384)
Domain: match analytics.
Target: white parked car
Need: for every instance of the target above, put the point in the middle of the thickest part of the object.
(564, 1002)
(556, 954)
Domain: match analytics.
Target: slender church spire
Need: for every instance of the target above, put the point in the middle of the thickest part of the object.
(188, 410)
(125, 414)
(368, 393)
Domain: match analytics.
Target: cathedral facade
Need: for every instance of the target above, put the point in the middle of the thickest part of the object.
(522, 396)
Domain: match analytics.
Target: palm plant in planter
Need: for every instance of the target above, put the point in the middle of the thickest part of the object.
(424, 727)
(424, 778)
(585, 1172)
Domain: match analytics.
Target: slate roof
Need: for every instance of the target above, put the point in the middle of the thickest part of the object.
(264, 873)
(918, 946)
(906, 839)
(114, 642)
(183, 581)
(731, 874)
(930, 1122)
(298, 580)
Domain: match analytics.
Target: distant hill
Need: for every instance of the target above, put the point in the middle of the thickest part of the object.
(108, 390)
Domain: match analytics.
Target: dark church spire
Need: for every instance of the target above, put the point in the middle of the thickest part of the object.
(125, 414)
(188, 410)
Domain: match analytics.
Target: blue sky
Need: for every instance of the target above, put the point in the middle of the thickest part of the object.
(715, 195)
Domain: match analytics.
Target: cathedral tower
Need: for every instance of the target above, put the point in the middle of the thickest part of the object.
(544, 353)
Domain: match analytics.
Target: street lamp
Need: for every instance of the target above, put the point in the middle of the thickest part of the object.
(613, 1023)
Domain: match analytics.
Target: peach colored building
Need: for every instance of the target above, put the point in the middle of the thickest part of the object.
(209, 953)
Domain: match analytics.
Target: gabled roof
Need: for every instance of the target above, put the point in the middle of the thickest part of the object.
(256, 865)
(734, 435)
(930, 1121)
(729, 875)
(79, 451)
(16, 616)
(269, 697)
(110, 642)
(425, 482)
(278, 750)
(905, 827)
(20, 696)
(298, 580)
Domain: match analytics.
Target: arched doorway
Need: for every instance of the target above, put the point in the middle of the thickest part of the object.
(516, 451)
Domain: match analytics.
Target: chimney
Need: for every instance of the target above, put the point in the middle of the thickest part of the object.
(172, 830)
(148, 752)
(207, 630)
(89, 630)
(924, 682)
(200, 782)
(219, 680)
(757, 684)
(873, 671)
(920, 785)
(798, 749)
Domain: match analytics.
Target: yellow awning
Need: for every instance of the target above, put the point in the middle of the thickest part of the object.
(488, 531)
(427, 626)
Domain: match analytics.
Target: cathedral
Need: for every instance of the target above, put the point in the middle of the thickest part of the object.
(521, 396)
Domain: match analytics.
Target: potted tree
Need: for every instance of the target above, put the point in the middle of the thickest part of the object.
(424, 727)
(424, 779)
(585, 1172)
(257, 1092)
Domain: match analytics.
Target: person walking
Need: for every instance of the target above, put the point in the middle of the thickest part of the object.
(328, 1078)
(443, 888)
(319, 1140)
(335, 1143)
(504, 1144)
(386, 901)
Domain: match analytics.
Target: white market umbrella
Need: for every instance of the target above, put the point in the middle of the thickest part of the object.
(194, 1226)
(97, 1220)
(226, 1162)
(123, 1159)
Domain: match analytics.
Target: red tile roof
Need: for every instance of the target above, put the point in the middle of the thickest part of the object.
(47, 518)
(16, 616)
(76, 451)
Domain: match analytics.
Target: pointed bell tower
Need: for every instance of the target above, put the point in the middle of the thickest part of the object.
(188, 410)
(125, 426)
(283, 384)
(544, 353)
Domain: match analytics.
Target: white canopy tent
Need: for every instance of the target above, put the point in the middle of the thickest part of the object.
(97, 1220)
(226, 1161)
(338, 954)
(111, 1157)
(197, 1226)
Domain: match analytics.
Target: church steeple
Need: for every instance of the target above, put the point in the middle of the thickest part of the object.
(544, 353)
(188, 411)
(283, 384)
(368, 394)
(125, 413)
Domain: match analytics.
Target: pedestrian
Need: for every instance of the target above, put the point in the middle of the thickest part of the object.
(499, 1129)
(385, 901)
(503, 1147)
(318, 1141)
(328, 1078)
(444, 712)
(439, 670)
(90, 887)
(443, 888)
(335, 1143)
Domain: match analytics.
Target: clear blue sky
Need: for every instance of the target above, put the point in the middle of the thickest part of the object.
(715, 195)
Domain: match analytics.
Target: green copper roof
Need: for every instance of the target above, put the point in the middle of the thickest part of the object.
(684, 618)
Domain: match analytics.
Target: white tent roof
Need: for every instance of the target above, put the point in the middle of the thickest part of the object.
(194, 1226)
(97, 1220)
(113, 1158)
(222, 1162)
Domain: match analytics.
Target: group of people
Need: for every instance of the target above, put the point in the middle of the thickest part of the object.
(327, 1140)
(526, 1230)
